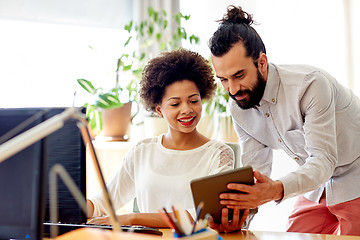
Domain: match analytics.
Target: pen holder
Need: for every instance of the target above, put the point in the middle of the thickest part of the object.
(203, 234)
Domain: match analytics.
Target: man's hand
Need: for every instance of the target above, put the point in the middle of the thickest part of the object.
(229, 226)
(264, 190)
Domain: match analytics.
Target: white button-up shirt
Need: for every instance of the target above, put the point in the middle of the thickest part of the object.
(316, 121)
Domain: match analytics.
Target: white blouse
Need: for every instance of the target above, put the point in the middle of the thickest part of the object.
(159, 177)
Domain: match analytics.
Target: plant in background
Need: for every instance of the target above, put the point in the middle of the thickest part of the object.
(218, 103)
(106, 100)
(154, 35)
(217, 110)
(153, 32)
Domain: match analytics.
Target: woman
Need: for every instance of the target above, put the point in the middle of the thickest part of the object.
(157, 171)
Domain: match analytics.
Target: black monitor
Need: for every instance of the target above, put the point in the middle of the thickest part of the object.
(64, 146)
(21, 178)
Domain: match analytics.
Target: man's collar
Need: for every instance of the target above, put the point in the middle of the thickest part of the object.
(272, 85)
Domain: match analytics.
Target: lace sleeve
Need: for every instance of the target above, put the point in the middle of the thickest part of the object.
(226, 157)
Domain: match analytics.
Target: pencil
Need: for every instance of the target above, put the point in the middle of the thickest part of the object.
(167, 220)
(176, 213)
(176, 219)
(174, 225)
(198, 211)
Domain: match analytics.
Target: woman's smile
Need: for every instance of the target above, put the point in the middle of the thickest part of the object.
(187, 121)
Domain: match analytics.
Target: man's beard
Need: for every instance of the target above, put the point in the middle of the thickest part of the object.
(254, 95)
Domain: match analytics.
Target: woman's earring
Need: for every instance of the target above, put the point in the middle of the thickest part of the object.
(158, 111)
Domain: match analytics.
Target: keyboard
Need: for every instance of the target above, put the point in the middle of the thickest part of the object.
(67, 227)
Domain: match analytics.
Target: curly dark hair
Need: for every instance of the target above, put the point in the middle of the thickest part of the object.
(170, 67)
(234, 27)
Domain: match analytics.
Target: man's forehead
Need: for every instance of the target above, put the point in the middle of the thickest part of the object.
(229, 65)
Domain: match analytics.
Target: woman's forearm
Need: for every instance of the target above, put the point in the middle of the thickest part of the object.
(143, 219)
(90, 208)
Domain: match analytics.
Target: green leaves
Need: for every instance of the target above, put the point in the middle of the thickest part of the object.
(155, 30)
(87, 85)
(128, 27)
(94, 117)
(105, 100)
(194, 39)
(108, 100)
(218, 103)
(127, 41)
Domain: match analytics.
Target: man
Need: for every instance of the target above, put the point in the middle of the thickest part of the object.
(300, 109)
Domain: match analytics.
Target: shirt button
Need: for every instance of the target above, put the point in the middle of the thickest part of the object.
(296, 158)
(273, 100)
(267, 115)
(279, 140)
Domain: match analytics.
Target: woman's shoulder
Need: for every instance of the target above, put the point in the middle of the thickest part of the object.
(221, 145)
(143, 145)
(225, 154)
(146, 141)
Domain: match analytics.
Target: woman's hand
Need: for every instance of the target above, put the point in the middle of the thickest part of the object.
(143, 219)
(229, 226)
(105, 220)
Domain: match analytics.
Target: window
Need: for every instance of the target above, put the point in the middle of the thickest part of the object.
(45, 47)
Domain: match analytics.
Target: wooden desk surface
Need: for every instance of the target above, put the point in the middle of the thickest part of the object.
(261, 235)
(98, 234)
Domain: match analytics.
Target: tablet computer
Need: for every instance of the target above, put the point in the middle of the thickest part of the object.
(207, 189)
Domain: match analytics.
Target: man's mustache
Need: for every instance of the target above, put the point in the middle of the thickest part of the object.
(240, 92)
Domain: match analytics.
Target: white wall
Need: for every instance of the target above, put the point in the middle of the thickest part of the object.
(354, 52)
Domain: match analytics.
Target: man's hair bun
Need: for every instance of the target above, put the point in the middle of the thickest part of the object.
(236, 15)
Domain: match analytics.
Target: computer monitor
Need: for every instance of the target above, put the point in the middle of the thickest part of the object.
(65, 146)
(21, 182)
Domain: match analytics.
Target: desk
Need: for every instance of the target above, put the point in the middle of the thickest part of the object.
(262, 235)
(97, 234)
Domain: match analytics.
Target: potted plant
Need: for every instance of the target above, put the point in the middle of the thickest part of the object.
(107, 113)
